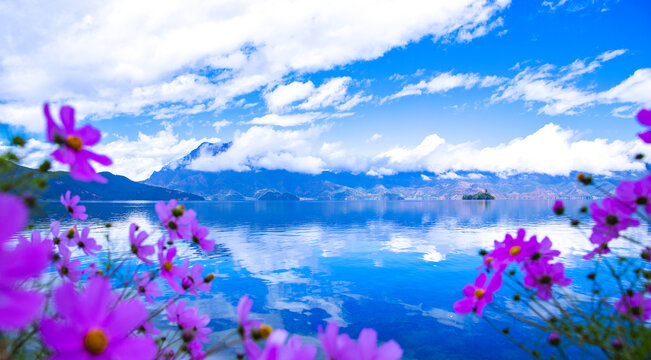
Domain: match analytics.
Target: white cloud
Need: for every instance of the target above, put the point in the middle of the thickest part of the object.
(285, 120)
(119, 57)
(330, 93)
(425, 177)
(445, 82)
(284, 95)
(374, 137)
(636, 89)
(218, 125)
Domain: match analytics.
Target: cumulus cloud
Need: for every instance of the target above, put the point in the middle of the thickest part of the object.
(374, 137)
(113, 57)
(218, 125)
(445, 82)
(285, 120)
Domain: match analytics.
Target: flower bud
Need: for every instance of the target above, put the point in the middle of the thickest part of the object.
(554, 339)
(575, 222)
(209, 278)
(19, 141)
(45, 166)
(558, 208)
(584, 179)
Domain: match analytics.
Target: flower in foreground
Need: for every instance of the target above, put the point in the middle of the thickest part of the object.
(91, 326)
(68, 268)
(635, 305)
(85, 243)
(539, 252)
(168, 270)
(244, 323)
(644, 117)
(137, 248)
(636, 193)
(511, 249)
(175, 218)
(478, 295)
(542, 276)
(276, 348)
(147, 287)
(27, 260)
(73, 145)
(335, 346)
(76, 211)
(199, 236)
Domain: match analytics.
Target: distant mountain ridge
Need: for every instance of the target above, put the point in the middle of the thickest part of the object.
(233, 185)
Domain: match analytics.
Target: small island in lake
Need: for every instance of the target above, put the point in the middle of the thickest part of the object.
(480, 196)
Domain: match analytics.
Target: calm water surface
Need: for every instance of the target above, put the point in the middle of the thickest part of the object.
(393, 266)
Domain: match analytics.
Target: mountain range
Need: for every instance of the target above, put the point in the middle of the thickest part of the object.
(328, 185)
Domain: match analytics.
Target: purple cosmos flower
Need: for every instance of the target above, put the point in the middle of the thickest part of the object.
(188, 319)
(275, 348)
(27, 260)
(646, 254)
(558, 207)
(634, 304)
(542, 276)
(478, 295)
(72, 145)
(147, 287)
(511, 249)
(76, 211)
(58, 238)
(137, 248)
(192, 280)
(168, 270)
(199, 235)
(68, 268)
(335, 346)
(613, 217)
(644, 117)
(175, 219)
(636, 193)
(85, 243)
(536, 252)
(244, 324)
(195, 349)
(367, 348)
(91, 326)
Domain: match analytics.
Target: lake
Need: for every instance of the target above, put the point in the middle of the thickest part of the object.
(396, 266)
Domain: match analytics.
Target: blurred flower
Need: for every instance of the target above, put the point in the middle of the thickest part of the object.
(558, 207)
(543, 276)
(76, 211)
(85, 243)
(635, 305)
(175, 219)
(27, 260)
(168, 270)
(68, 268)
(192, 280)
(644, 117)
(244, 324)
(539, 252)
(73, 145)
(275, 348)
(199, 235)
(636, 193)
(137, 248)
(147, 287)
(335, 346)
(477, 296)
(91, 326)
(554, 339)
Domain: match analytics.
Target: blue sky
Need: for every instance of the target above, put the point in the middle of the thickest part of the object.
(363, 86)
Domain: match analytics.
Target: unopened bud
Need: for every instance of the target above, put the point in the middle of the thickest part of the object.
(18, 140)
(209, 278)
(554, 339)
(584, 179)
(45, 166)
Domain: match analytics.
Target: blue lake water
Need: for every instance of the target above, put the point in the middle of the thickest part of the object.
(394, 266)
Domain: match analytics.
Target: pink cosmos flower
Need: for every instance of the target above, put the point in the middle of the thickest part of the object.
(72, 145)
(91, 326)
(147, 287)
(644, 117)
(85, 243)
(636, 193)
(194, 326)
(542, 276)
(27, 260)
(537, 252)
(137, 248)
(244, 324)
(168, 270)
(511, 249)
(558, 207)
(634, 304)
(68, 268)
(76, 211)
(192, 280)
(199, 235)
(614, 215)
(367, 348)
(276, 349)
(478, 295)
(646, 254)
(175, 219)
(195, 349)
(335, 346)
(58, 238)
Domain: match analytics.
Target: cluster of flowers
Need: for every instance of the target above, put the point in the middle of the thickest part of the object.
(99, 320)
(616, 213)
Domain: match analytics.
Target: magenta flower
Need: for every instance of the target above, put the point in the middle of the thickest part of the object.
(194, 326)
(367, 348)
(276, 349)
(644, 117)
(72, 145)
(636, 193)
(76, 211)
(646, 254)
(478, 295)
(175, 219)
(614, 216)
(68, 268)
(199, 235)
(147, 286)
(558, 207)
(537, 252)
(137, 248)
(58, 238)
(168, 270)
(511, 249)
(335, 346)
(244, 324)
(192, 280)
(91, 326)
(27, 260)
(85, 243)
(635, 305)
(542, 276)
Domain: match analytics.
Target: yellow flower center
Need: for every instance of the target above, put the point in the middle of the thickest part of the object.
(168, 266)
(265, 331)
(95, 342)
(515, 250)
(71, 233)
(74, 142)
(489, 259)
(479, 293)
